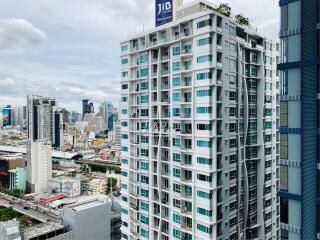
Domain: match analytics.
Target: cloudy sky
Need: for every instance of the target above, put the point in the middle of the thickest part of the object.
(69, 49)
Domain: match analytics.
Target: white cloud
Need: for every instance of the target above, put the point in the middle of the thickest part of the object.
(7, 82)
(18, 32)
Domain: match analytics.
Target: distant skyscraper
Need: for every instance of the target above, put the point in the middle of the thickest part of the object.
(199, 129)
(87, 107)
(39, 147)
(299, 125)
(7, 116)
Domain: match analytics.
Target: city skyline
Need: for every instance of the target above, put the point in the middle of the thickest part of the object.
(39, 54)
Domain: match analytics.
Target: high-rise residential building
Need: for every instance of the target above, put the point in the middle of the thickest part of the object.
(40, 118)
(39, 146)
(199, 130)
(299, 119)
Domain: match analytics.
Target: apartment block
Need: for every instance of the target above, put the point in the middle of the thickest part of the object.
(199, 116)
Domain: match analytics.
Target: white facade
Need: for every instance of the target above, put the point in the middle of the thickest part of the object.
(89, 220)
(39, 166)
(10, 230)
(69, 187)
(199, 119)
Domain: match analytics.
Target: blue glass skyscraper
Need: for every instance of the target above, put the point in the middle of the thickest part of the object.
(299, 124)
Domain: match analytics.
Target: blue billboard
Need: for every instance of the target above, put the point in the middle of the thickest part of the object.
(164, 12)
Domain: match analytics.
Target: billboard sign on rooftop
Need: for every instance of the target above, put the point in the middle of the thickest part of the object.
(164, 12)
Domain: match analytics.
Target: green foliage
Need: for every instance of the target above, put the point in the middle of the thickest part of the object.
(224, 9)
(15, 193)
(113, 181)
(7, 214)
(117, 170)
(242, 20)
(23, 219)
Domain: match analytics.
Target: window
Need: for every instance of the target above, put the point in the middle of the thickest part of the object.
(144, 72)
(124, 149)
(124, 48)
(232, 80)
(204, 161)
(204, 76)
(204, 127)
(204, 178)
(176, 188)
(144, 206)
(144, 233)
(252, 99)
(144, 58)
(176, 112)
(204, 23)
(204, 41)
(176, 203)
(232, 31)
(144, 86)
(124, 211)
(124, 136)
(176, 81)
(205, 58)
(176, 51)
(176, 97)
(232, 96)
(144, 166)
(233, 49)
(124, 74)
(144, 152)
(204, 212)
(176, 142)
(124, 111)
(124, 161)
(124, 124)
(144, 219)
(232, 65)
(124, 86)
(232, 111)
(205, 144)
(176, 66)
(233, 143)
(204, 229)
(176, 172)
(176, 233)
(144, 99)
(144, 192)
(204, 194)
(204, 93)
(124, 61)
(176, 218)
(204, 110)
(124, 99)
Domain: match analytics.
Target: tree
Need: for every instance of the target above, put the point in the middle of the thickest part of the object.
(7, 214)
(113, 181)
(23, 219)
(224, 9)
(242, 20)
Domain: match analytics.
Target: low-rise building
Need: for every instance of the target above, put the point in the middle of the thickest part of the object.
(67, 186)
(9, 230)
(18, 179)
(88, 220)
(48, 230)
(7, 163)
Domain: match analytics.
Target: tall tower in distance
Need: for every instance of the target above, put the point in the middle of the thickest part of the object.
(199, 114)
(300, 125)
(39, 147)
